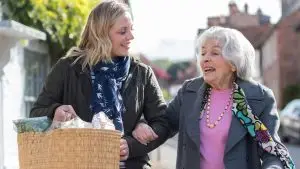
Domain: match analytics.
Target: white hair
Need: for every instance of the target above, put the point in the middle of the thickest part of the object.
(235, 48)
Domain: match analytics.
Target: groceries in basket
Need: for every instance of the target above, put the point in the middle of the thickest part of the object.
(44, 124)
(37, 124)
(71, 144)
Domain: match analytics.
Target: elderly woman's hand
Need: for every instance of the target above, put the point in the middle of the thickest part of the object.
(144, 133)
(64, 113)
(124, 150)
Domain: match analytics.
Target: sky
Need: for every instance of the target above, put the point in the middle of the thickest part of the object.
(167, 28)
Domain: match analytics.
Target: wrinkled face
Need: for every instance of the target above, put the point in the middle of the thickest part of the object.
(121, 35)
(213, 65)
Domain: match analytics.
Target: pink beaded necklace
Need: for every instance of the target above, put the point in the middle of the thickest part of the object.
(210, 124)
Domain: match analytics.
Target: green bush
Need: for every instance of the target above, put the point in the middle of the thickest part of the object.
(61, 20)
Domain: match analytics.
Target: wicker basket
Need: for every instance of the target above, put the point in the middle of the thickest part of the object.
(70, 149)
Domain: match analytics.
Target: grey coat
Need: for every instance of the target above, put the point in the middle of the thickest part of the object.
(241, 152)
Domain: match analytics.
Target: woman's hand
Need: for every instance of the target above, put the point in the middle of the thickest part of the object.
(64, 113)
(144, 133)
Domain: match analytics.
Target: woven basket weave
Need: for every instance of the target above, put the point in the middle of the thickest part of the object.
(70, 149)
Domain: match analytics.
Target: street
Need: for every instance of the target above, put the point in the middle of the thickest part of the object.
(165, 156)
(295, 152)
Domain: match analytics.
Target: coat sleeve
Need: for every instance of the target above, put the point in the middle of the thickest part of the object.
(51, 95)
(154, 110)
(163, 120)
(173, 112)
(270, 119)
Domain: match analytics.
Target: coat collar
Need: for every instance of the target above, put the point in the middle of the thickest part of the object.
(251, 88)
(254, 95)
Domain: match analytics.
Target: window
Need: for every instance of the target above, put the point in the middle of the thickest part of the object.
(36, 68)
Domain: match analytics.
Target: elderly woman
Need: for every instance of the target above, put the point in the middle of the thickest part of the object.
(225, 119)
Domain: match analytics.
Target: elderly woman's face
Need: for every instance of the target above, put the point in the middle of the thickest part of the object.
(214, 67)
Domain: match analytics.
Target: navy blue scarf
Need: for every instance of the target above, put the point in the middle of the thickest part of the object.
(107, 78)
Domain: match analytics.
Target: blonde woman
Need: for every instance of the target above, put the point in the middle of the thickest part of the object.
(98, 75)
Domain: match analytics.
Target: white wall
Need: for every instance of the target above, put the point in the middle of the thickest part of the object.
(13, 98)
(5, 47)
(257, 69)
(1, 124)
(13, 89)
(269, 51)
(270, 66)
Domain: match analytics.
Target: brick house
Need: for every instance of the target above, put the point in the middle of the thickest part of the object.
(238, 18)
(281, 53)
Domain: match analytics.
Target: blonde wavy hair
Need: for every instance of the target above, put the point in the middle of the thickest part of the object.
(95, 44)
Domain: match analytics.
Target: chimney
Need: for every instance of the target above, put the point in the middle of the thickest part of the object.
(246, 8)
(259, 12)
(233, 9)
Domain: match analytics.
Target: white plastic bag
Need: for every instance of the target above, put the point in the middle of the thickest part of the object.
(99, 121)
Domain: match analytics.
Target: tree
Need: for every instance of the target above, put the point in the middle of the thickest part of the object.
(61, 20)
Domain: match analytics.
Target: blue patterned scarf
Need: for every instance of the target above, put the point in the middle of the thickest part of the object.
(107, 78)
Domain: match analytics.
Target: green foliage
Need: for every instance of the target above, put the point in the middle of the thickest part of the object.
(162, 63)
(166, 94)
(61, 20)
(176, 67)
(290, 93)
